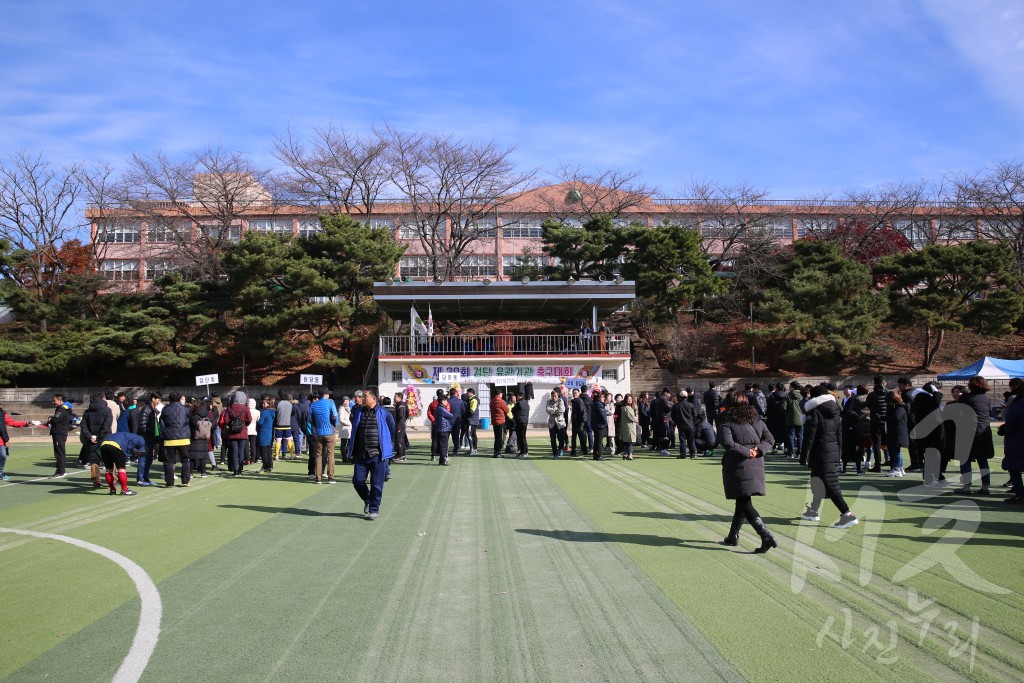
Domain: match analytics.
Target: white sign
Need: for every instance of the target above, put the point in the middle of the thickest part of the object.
(449, 377)
(206, 380)
(311, 379)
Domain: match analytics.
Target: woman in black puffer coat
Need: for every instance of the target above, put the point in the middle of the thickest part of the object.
(822, 450)
(746, 439)
(982, 448)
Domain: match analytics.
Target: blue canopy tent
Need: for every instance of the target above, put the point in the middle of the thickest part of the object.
(989, 368)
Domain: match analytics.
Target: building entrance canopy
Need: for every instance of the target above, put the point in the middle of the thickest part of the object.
(541, 300)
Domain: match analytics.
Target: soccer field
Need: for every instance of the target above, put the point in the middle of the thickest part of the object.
(503, 570)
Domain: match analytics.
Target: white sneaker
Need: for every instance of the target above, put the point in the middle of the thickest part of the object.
(892, 473)
(810, 515)
(899, 472)
(473, 452)
(846, 521)
(665, 454)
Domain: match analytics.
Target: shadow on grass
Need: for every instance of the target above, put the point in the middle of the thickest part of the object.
(292, 511)
(637, 539)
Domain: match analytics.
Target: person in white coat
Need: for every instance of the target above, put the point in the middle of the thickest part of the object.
(344, 427)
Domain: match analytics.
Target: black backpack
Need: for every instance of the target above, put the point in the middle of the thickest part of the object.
(235, 424)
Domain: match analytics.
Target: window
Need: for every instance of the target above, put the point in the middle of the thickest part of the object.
(120, 233)
(157, 268)
(813, 225)
(377, 223)
(412, 230)
(475, 227)
(120, 269)
(612, 375)
(720, 227)
(780, 228)
(275, 227)
(623, 222)
(162, 233)
(958, 229)
(917, 232)
(511, 265)
(308, 227)
(216, 233)
(477, 266)
(522, 228)
(396, 376)
(415, 266)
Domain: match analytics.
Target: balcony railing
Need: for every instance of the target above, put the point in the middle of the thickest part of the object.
(505, 345)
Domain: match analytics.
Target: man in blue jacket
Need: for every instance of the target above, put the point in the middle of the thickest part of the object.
(370, 447)
(323, 417)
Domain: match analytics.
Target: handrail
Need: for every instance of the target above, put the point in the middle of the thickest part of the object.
(504, 345)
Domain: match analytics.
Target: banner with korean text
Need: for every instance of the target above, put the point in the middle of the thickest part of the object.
(414, 373)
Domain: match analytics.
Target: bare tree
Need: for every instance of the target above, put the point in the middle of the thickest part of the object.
(194, 207)
(871, 217)
(732, 219)
(449, 181)
(339, 172)
(39, 213)
(582, 195)
(995, 198)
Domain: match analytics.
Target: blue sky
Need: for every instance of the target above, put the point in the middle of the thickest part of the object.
(798, 98)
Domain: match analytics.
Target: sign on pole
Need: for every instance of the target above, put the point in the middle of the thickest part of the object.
(449, 377)
(311, 380)
(207, 381)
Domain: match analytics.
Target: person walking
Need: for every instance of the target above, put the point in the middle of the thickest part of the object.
(499, 410)
(370, 449)
(775, 415)
(982, 447)
(401, 420)
(555, 409)
(712, 403)
(432, 417)
(177, 437)
(628, 426)
(685, 418)
(323, 420)
(745, 439)
(822, 451)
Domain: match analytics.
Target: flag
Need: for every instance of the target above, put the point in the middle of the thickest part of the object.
(430, 322)
(416, 323)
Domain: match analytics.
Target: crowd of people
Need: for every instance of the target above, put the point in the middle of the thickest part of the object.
(832, 431)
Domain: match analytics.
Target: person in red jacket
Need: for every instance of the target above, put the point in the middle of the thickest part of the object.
(499, 410)
(234, 423)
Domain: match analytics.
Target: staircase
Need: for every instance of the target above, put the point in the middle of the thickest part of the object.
(644, 371)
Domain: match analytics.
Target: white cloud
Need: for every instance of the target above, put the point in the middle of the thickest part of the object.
(990, 36)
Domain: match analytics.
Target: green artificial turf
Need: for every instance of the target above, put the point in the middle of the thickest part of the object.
(503, 570)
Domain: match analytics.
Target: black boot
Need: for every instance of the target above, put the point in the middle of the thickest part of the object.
(767, 540)
(733, 538)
